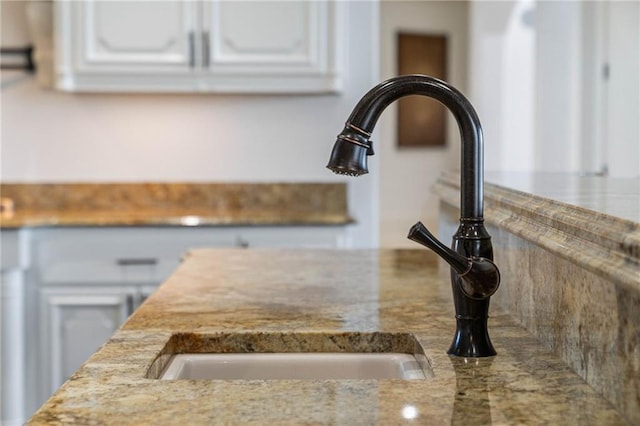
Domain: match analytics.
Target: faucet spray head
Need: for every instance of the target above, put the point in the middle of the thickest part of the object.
(349, 154)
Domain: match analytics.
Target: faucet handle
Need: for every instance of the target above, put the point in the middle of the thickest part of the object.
(421, 235)
(479, 277)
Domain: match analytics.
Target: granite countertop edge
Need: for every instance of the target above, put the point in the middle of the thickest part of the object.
(604, 244)
(161, 219)
(172, 204)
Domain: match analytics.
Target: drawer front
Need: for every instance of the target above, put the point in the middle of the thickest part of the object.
(117, 255)
(143, 255)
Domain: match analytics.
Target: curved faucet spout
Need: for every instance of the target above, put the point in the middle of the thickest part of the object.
(474, 276)
(354, 139)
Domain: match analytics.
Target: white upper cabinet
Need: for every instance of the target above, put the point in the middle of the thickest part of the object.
(199, 46)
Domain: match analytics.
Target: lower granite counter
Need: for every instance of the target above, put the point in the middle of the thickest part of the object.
(172, 204)
(318, 300)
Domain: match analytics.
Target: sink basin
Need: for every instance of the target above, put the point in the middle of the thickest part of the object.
(291, 356)
(293, 366)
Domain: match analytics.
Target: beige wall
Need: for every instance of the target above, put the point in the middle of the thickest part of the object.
(406, 175)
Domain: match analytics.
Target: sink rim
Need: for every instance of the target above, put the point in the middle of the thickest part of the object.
(289, 342)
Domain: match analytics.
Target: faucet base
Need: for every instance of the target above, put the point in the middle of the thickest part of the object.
(471, 339)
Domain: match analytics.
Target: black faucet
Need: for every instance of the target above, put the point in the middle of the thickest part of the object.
(474, 276)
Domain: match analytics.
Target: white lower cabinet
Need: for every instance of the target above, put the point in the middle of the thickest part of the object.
(85, 282)
(76, 321)
(12, 348)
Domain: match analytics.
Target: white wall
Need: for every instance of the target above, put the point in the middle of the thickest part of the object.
(51, 136)
(622, 143)
(501, 81)
(536, 78)
(610, 88)
(559, 98)
(407, 174)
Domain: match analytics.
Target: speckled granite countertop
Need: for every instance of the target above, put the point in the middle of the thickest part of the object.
(173, 204)
(306, 300)
(592, 221)
(568, 248)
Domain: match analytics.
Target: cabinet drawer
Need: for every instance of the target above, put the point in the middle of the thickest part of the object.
(108, 272)
(117, 255)
(123, 244)
(140, 255)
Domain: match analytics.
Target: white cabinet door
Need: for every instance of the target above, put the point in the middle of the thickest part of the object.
(76, 321)
(272, 46)
(132, 44)
(12, 348)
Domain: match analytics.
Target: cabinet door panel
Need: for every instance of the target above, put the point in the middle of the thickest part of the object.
(263, 31)
(282, 37)
(137, 33)
(76, 321)
(12, 347)
(273, 46)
